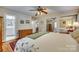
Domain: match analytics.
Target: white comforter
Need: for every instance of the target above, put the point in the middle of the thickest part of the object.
(51, 42)
(24, 45)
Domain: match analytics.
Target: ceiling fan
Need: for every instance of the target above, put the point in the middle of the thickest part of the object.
(40, 10)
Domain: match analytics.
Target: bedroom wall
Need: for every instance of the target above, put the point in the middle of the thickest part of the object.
(19, 16)
(78, 18)
(69, 13)
(42, 21)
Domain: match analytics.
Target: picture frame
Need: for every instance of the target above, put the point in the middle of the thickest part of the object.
(27, 21)
(21, 21)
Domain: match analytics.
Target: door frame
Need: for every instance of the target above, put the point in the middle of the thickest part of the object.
(2, 30)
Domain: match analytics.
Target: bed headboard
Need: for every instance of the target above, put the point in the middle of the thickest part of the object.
(24, 32)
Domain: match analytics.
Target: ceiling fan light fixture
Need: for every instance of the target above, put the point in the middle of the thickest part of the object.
(40, 11)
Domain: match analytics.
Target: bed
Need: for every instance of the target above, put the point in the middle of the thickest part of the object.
(47, 42)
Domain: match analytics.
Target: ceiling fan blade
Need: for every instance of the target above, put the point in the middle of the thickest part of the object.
(36, 14)
(32, 10)
(44, 11)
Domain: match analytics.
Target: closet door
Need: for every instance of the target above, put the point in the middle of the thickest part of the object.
(1, 19)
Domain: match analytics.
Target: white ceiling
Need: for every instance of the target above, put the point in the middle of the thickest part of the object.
(51, 9)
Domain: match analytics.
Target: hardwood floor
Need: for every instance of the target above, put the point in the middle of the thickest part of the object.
(9, 46)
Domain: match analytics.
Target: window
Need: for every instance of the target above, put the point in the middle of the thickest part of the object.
(10, 31)
(67, 21)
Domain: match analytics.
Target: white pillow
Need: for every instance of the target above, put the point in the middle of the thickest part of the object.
(77, 39)
(75, 34)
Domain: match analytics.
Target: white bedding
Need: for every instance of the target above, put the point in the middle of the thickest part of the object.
(51, 42)
(24, 45)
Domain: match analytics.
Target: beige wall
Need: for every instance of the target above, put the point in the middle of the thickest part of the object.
(43, 21)
(19, 16)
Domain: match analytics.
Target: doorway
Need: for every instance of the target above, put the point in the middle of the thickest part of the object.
(49, 28)
(50, 25)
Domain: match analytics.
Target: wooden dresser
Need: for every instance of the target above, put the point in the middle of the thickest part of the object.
(24, 32)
